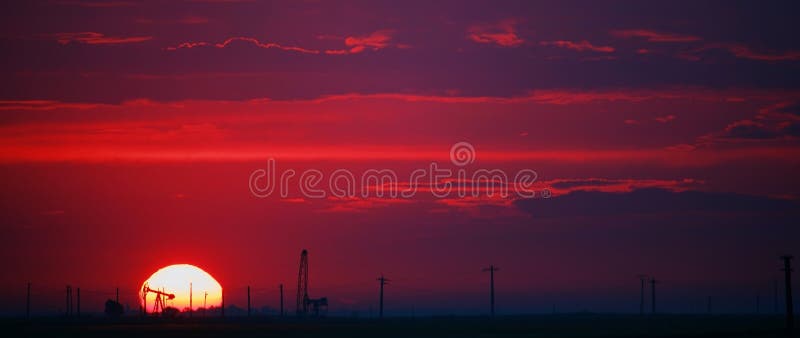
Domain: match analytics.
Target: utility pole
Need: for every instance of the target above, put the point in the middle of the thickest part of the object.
(787, 268)
(248, 300)
(281, 288)
(79, 302)
(205, 297)
(643, 280)
(653, 283)
(28, 303)
(383, 281)
(191, 309)
(491, 270)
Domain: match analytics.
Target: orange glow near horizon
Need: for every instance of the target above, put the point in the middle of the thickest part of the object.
(175, 279)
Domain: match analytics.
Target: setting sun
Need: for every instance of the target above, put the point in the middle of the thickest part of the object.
(176, 280)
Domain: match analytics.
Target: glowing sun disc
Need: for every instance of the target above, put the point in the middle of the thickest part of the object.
(175, 279)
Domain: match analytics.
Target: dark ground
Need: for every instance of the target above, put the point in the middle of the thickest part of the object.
(512, 326)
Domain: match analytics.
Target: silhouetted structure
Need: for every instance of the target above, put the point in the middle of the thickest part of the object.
(304, 303)
(248, 300)
(302, 285)
(113, 308)
(491, 270)
(161, 297)
(205, 298)
(787, 268)
(191, 309)
(79, 302)
(643, 281)
(383, 281)
(653, 283)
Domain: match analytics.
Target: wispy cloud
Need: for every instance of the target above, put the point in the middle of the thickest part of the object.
(98, 4)
(654, 36)
(356, 44)
(249, 40)
(502, 34)
(665, 119)
(743, 52)
(94, 38)
(580, 46)
(194, 20)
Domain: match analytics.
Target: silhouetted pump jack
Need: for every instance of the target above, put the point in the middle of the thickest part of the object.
(161, 298)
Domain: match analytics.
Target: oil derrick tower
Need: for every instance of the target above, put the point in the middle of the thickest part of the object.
(304, 303)
(302, 284)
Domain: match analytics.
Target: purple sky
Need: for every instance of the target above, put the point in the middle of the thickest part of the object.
(666, 132)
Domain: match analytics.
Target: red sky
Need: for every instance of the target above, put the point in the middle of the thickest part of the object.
(667, 133)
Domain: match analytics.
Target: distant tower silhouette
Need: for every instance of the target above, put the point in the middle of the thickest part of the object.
(281, 288)
(248, 300)
(643, 281)
(79, 302)
(205, 298)
(383, 281)
(302, 285)
(117, 297)
(491, 270)
(191, 309)
(653, 283)
(787, 268)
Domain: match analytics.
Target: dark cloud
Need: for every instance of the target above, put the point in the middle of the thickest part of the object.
(791, 109)
(747, 129)
(653, 201)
